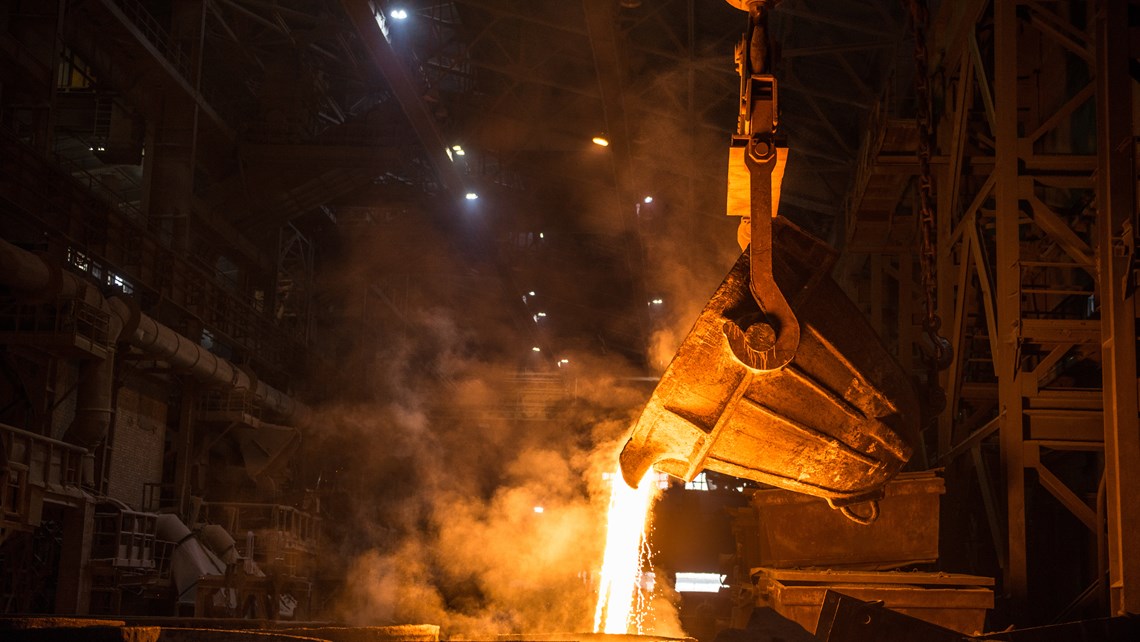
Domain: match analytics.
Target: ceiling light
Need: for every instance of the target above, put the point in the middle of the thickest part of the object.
(538, 509)
(601, 140)
(647, 200)
(471, 196)
(531, 293)
(399, 14)
(536, 349)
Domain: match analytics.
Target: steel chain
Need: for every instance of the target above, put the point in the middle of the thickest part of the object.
(918, 15)
(938, 351)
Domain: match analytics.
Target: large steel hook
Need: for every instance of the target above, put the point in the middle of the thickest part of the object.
(769, 340)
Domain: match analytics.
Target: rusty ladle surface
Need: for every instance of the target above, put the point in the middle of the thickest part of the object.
(837, 420)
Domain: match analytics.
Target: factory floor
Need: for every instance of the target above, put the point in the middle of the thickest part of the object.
(51, 629)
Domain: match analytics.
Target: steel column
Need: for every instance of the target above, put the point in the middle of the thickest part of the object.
(1116, 220)
(1007, 294)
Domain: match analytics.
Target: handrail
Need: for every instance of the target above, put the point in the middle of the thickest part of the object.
(38, 437)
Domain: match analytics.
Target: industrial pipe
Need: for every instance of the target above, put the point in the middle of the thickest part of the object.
(22, 270)
(94, 392)
(35, 277)
(158, 340)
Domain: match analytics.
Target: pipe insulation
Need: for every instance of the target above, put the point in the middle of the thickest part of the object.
(38, 278)
(34, 277)
(158, 340)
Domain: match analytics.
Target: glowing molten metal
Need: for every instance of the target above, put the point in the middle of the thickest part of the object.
(626, 554)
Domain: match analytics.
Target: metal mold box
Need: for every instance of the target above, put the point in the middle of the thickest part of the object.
(953, 601)
(797, 530)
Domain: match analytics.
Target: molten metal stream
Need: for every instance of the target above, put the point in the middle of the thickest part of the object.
(620, 607)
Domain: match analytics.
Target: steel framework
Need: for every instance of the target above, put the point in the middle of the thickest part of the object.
(1036, 221)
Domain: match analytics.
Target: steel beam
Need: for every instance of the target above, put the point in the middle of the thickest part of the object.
(370, 24)
(601, 24)
(180, 74)
(1116, 230)
(1007, 297)
(949, 184)
(530, 17)
(801, 11)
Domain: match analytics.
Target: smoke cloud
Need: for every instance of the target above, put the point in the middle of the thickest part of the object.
(463, 488)
(463, 493)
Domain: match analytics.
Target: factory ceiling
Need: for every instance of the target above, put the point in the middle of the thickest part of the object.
(329, 114)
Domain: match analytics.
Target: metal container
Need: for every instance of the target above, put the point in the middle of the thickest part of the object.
(795, 530)
(836, 422)
(952, 601)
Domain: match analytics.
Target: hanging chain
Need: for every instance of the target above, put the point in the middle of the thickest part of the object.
(937, 349)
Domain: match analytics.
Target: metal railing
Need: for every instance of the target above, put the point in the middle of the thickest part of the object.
(37, 461)
(301, 529)
(125, 539)
(64, 211)
(68, 323)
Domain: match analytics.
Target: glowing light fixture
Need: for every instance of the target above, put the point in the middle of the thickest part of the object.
(699, 582)
(536, 349)
(656, 302)
(531, 293)
(471, 196)
(458, 149)
(601, 141)
(399, 14)
(647, 200)
(539, 509)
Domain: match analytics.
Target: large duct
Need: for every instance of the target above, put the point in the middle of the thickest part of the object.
(189, 561)
(158, 340)
(37, 278)
(34, 277)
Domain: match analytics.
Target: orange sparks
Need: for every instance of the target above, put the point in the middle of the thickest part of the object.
(625, 556)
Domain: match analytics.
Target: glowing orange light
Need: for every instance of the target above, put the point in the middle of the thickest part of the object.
(601, 140)
(620, 607)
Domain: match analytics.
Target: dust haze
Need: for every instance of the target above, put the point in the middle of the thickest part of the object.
(464, 475)
(465, 483)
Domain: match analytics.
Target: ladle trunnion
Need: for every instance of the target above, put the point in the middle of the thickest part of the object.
(837, 421)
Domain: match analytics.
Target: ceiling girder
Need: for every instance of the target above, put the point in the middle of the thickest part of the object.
(367, 24)
(601, 21)
(802, 11)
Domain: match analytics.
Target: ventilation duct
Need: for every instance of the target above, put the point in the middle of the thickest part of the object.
(37, 279)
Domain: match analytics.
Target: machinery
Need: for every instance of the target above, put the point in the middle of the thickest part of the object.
(781, 380)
